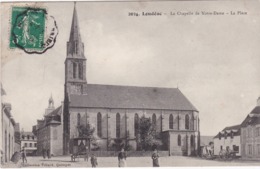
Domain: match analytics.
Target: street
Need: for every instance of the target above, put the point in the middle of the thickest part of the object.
(174, 161)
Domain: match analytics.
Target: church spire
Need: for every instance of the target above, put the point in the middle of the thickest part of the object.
(74, 31)
(75, 63)
(75, 47)
(51, 102)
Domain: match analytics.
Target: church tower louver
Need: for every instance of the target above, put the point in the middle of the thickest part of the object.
(75, 63)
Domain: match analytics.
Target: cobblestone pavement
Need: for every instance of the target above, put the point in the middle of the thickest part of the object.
(174, 161)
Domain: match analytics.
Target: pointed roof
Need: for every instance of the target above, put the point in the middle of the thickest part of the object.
(252, 118)
(55, 112)
(74, 31)
(51, 99)
(112, 96)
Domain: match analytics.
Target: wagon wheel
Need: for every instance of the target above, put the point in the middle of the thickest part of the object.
(221, 155)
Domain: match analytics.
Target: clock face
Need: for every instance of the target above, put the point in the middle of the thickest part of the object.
(76, 89)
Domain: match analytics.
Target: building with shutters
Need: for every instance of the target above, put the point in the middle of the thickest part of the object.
(250, 134)
(228, 139)
(29, 142)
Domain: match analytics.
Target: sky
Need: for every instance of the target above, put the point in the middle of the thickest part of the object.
(213, 60)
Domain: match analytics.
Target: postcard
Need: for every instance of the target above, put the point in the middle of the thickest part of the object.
(130, 84)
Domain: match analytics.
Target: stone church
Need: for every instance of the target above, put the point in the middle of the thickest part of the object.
(114, 110)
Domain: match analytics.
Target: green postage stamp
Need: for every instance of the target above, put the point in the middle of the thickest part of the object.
(28, 30)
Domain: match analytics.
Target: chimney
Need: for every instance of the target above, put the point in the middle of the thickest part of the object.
(258, 101)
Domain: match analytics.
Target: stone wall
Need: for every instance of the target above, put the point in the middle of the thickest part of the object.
(43, 139)
(127, 117)
(250, 137)
(56, 138)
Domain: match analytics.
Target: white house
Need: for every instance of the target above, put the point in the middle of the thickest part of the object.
(228, 138)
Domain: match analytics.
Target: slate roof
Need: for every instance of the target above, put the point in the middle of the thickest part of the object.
(252, 118)
(131, 97)
(55, 112)
(26, 133)
(256, 110)
(235, 127)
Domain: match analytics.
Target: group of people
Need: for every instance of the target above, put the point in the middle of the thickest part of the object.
(46, 153)
(122, 158)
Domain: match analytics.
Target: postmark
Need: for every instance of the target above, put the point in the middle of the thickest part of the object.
(32, 30)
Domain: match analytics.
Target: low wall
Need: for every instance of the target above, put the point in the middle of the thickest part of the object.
(129, 153)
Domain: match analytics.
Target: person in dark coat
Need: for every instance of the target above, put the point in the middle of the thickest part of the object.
(48, 153)
(155, 157)
(44, 153)
(122, 158)
(23, 153)
(87, 154)
(93, 160)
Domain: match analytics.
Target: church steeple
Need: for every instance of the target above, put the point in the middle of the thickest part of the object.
(51, 102)
(75, 47)
(75, 63)
(50, 107)
(74, 31)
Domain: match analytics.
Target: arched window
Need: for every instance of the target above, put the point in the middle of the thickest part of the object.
(171, 121)
(74, 70)
(136, 124)
(76, 47)
(80, 71)
(9, 146)
(192, 123)
(187, 122)
(179, 140)
(154, 120)
(118, 125)
(191, 140)
(78, 119)
(5, 146)
(99, 124)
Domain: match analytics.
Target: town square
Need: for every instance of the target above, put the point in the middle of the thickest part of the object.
(88, 89)
(177, 161)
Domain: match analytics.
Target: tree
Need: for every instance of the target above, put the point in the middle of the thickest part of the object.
(147, 138)
(87, 132)
(120, 143)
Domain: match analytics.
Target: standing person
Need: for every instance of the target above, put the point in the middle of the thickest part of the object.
(44, 153)
(93, 160)
(122, 158)
(23, 152)
(48, 153)
(155, 157)
(86, 155)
